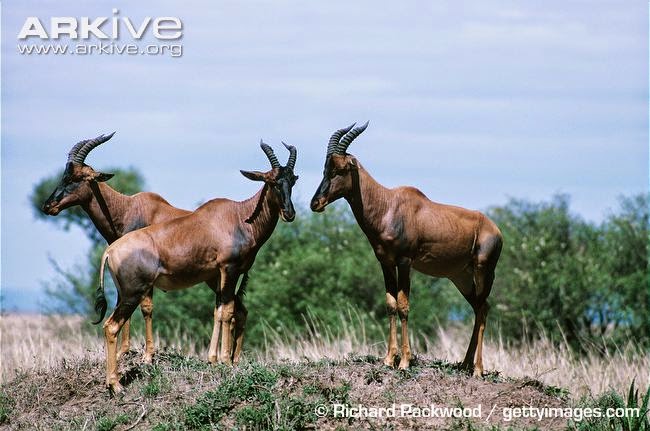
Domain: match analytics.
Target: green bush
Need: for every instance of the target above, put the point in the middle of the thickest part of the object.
(570, 278)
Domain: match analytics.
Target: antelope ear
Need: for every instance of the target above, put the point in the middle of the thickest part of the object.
(353, 162)
(254, 175)
(101, 177)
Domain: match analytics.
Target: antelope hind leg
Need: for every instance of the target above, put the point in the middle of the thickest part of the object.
(125, 335)
(214, 340)
(112, 327)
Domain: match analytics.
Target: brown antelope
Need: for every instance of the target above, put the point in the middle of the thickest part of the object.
(216, 243)
(406, 230)
(114, 215)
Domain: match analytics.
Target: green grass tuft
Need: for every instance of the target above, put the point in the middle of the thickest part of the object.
(6, 407)
(107, 423)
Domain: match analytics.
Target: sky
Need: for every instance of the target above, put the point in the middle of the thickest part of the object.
(472, 103)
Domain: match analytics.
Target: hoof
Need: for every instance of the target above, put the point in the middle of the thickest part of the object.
(147, 359)
(212, 360)
(389, 361)
(225, 360)
(115, 388)
(478, 372)
(467, 367)
(404, 365)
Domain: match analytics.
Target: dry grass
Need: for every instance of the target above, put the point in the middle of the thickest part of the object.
(42, 342)
(591, 374)
(34, 341)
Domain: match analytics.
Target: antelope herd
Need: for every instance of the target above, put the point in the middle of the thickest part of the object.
(154, 244)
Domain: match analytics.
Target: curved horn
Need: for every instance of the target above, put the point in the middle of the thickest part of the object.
(270, 154)
(82, 149)
(334, 139)
(75, 148)
(292, 155)
(342, 147)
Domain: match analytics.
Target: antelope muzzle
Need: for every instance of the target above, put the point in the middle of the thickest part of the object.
(320, 200)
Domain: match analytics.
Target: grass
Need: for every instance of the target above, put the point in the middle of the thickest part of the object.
(6, 407)
(255, 395)
(41, 342)
(635, 406)
(156, 381)
(180, 393)
(108, 423)
(600, 370)
(51, 364)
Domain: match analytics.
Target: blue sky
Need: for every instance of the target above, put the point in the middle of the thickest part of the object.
(471, 103)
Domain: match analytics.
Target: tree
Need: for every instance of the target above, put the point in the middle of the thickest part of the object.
(625, 258)
(570, 278)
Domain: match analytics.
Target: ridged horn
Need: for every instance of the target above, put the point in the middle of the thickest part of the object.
(270, 154)
(79, 152)
(336, 137)
(292, 155)
(343, 145)
(74, 150)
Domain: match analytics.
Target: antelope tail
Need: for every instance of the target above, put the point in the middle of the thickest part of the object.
(100, 296)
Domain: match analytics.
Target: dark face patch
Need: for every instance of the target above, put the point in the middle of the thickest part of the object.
(64, 196)
(282, 186)
(73, 188)
(333, 185)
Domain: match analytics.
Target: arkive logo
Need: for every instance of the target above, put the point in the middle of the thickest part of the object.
(113, 28)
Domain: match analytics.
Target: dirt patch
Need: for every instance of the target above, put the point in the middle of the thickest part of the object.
(179, 392)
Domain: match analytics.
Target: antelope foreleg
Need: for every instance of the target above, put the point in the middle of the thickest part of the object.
(227, 313)
(229, 277)
(241, 314)
(404, 281)
(390, 282)
(214, 340)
